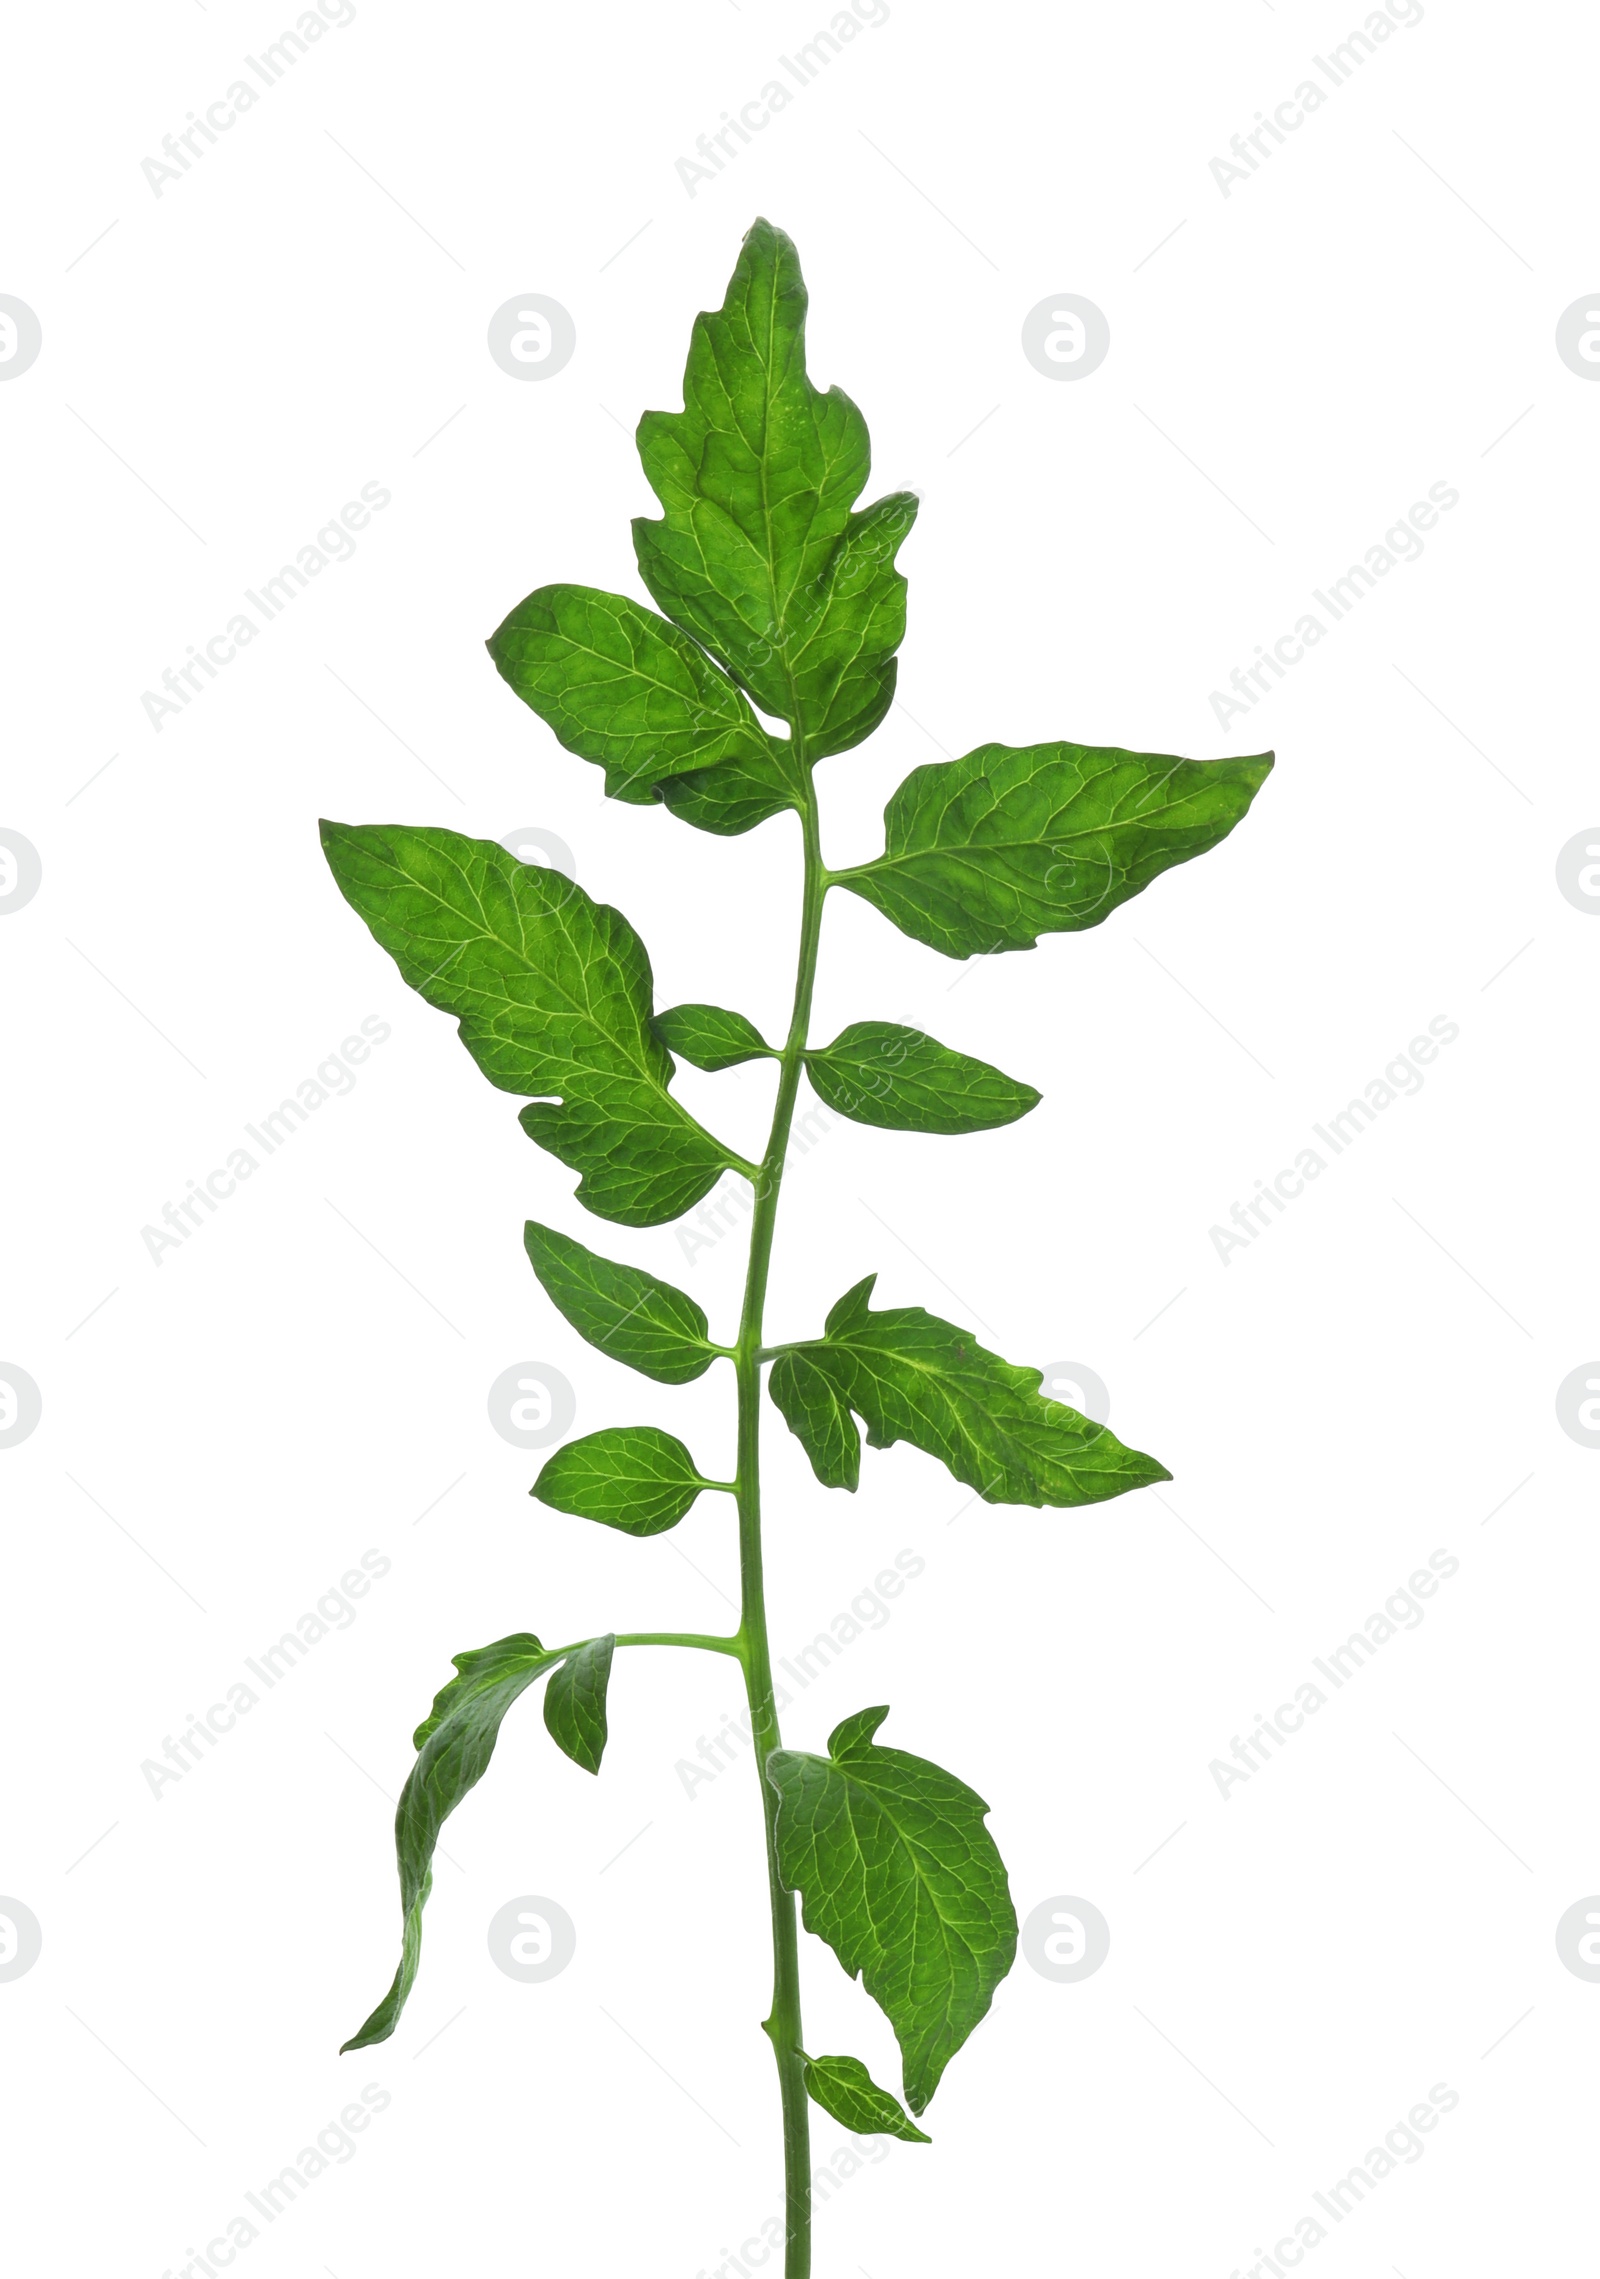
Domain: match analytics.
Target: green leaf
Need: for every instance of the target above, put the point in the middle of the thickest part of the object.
(901, 1081)
(629, 1314)
(817, 1415)
(738, 795)
(622, 687)
(896, 1870)
(911, 1376)
(454, 1743)
(553, 996)
(575, 1703)
(709, 1038)
(631, 1476)
(758, 553)
(842, 640)
(991, 851)
(843, 2087)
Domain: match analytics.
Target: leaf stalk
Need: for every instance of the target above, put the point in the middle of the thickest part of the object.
(706, 1643)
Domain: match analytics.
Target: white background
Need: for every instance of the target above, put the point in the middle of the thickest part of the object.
(303, 312)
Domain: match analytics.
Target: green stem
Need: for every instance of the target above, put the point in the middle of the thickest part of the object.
(706, 1644)
(783, 2025)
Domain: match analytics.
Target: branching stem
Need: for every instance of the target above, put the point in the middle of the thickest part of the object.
(783, 2024)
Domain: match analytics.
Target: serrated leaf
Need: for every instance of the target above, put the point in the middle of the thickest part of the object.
(843, 2087)
(896, 1870)
(898, 1080)
(629, 1314)
(575, 1703)
(552, 992)
(708, 1037)
(454, 1743)
(758, 553)
(630, 1476)
(989, 852)
(911, 1376)
(624, 688)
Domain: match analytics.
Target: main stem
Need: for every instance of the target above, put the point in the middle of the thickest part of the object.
(783, 2025)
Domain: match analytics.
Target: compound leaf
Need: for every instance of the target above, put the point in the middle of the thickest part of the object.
(911, 1376)
(708, 1037)
(631, 1315)
(896, 1870)
(758, 553)
(630, 1476)
(901, 1081)
(454, 1744)
(843, 2087)
(1014, 841)
(624, 688)
(575, 1703)
(552, 992)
